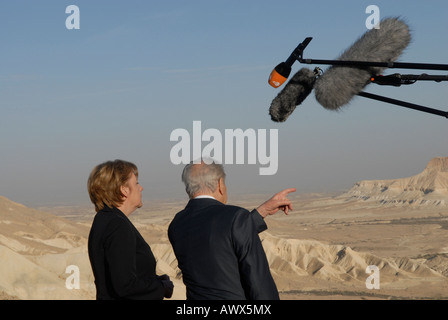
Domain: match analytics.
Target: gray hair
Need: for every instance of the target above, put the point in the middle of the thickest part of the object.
(202, 177)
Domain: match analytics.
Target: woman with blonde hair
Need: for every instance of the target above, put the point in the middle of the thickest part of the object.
(123, 264)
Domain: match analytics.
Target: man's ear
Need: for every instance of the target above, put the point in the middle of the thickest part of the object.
(221, 186)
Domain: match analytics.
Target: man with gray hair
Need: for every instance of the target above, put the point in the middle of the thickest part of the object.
(217, 246)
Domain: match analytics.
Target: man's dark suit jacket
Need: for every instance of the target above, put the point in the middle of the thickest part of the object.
(220, 253)
(123, 264)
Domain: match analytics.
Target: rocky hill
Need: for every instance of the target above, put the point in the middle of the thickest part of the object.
(428, 188)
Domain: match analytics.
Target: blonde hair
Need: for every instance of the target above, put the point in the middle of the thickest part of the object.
(105, 181)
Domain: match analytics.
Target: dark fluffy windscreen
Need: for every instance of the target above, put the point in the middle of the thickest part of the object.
(339, 84)
(293, 94)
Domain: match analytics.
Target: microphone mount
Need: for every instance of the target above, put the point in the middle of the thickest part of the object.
(298, 53)
(392, 80)
(397, 79)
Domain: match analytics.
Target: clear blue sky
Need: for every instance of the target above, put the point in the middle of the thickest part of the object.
(138, 69)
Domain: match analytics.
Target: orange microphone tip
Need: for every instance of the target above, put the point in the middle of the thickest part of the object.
(276, 79)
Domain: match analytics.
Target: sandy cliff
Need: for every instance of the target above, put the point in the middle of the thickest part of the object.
(430, 187)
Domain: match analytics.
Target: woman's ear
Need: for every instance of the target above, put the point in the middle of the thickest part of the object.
(124, 191)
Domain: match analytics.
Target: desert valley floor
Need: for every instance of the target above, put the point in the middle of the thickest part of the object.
(319, 251)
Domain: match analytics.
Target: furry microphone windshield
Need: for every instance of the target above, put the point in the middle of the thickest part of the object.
(294, 93)
(339, 84)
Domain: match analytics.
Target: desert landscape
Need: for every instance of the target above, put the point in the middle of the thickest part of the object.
(319, 251)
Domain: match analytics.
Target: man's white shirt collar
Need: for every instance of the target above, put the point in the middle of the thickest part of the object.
(204, 197)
